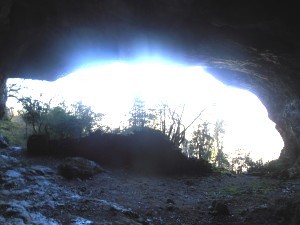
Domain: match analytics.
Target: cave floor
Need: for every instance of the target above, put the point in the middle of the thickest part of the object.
(120, 197)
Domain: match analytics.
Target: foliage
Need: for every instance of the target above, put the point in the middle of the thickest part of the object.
(62, 124)
(223, 171)
(13, 128)
(202, 142)
(163, 119)
(274, 168)
(139, 115)
(255, 167)
(35, 113)
(59, 121)
(220, 159)
(241, 161)
(87, 120)
(207, 146)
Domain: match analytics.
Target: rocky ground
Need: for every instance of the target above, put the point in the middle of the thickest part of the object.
(33, 192)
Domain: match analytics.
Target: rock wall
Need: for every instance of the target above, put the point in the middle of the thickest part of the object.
(3, 95)
(252, 45)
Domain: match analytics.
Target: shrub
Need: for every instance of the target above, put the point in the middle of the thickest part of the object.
(14, 130)
(59, 122)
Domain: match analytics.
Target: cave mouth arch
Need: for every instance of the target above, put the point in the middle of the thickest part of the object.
(111, 89)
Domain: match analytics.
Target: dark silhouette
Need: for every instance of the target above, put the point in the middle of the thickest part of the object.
(144, 150)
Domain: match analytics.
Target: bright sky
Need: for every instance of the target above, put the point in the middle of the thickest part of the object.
(111, 89)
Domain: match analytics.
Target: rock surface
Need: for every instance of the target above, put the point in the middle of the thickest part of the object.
(253, 45)
(219, 208)
(32, 192)
(77, 167)
(3, 142)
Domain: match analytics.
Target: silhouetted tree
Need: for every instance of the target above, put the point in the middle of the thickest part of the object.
(59, 121)
(61, 124)
(202, 142)
(220, 159)
(207, 146)
(177, 130)
(255, 166)
(13, 90)
(241, 161)
(162, 115)
(140, 116)
(87, 119)
(34, 113)
(163, 118)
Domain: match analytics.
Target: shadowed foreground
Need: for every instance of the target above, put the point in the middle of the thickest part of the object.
(32, 192)
(145, 151)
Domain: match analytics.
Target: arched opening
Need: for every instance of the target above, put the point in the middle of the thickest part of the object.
(247, 44)
(190, 92)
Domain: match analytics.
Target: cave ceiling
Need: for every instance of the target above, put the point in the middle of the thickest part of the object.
(248, 44)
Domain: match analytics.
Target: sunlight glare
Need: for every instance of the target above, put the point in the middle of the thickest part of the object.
(111, 89)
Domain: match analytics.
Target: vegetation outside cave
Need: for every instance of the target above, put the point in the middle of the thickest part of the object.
(61, 122)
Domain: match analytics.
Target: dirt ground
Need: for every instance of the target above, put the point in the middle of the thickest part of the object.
(121, 197)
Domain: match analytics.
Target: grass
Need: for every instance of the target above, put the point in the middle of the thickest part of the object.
(262, 187)
(234, 190)
(230, 190)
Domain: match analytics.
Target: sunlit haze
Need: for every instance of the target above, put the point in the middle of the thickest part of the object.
(111, 89)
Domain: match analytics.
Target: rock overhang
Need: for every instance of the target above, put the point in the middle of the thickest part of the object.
(253, 45)
(43, 39)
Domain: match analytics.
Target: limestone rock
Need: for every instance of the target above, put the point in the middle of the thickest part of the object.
(7, 162)
(81, 221)
(38, 170)
(77, 167)
(18, 213)
(13, 210)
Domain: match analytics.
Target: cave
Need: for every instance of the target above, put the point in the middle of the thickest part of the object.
(251, 45)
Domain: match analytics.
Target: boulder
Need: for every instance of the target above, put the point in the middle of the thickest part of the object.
(77, 167)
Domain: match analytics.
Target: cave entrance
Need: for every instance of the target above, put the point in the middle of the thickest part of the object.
(190, 92)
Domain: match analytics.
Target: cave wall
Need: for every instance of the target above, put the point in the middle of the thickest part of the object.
(248, 44)
(3, 95)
